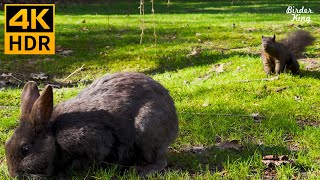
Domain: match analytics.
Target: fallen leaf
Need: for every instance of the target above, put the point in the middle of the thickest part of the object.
(273, 160)
(257, 117)
(208, 43)
(269, 173)
(84, 29)
(218, 68)
(200, 149)
(66, 52)
(231, 145)
(48, 59)
(297, 98)
(238, 68)
(250, 29)
(281, 89)
(38, 76)
(194, 52)
(206, 103)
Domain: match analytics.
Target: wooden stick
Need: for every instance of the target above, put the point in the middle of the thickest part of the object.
(74, 72)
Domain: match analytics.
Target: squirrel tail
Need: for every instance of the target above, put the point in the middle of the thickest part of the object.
(298, 41)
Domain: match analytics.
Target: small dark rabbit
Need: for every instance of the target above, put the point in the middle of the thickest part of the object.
(124, 118)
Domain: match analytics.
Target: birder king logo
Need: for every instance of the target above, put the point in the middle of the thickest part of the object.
(29, 29)
(299, 14)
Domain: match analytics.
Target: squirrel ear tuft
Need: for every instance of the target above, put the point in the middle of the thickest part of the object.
(262, 36)
(274, 37)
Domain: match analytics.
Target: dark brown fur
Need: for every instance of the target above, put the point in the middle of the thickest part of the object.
(278, 56)
(125, 118)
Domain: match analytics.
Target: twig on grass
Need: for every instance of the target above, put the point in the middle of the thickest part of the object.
(12, 76)
(253, 115)
(263, 79)
(74, 72)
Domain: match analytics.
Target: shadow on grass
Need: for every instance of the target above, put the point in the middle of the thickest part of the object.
(310, 74)
(215, 159)
(109, 45)
(168, 64)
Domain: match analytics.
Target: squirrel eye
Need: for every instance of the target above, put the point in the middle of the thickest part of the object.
(25, 149)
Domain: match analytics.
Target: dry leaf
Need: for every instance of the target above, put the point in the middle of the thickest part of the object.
(84, 29)
(206, 103)
(273, 160)
(269, 173)
(297, 98)
(48, 59)
(38, 76)
(281, 89)
(194, 52)
(200, 149)
(66, 52)
(218, 68)
(238, 68)
(233, 145)
(257, 117)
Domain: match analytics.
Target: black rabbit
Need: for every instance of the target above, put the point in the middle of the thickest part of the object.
(124, 118)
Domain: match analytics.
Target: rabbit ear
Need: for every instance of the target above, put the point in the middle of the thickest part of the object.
(30, 94)
(42, 109)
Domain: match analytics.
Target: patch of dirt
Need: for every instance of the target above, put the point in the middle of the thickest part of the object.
(308, 122)
(200, 149)
(231, 145)
(311, 64)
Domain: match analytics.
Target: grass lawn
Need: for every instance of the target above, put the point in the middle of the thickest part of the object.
(207, 55)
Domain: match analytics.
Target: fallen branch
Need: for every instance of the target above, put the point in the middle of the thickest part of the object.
(74, 72)
(12, 76)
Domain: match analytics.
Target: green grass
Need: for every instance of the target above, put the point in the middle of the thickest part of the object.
(209, 108)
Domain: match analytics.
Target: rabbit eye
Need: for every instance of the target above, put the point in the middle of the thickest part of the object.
(25, 149)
